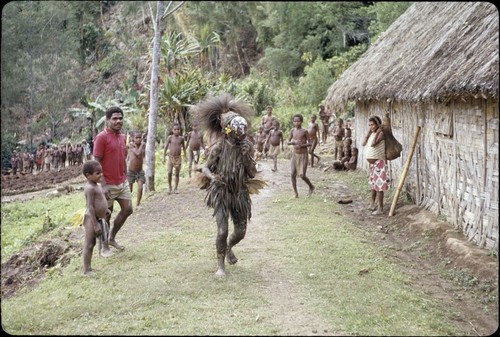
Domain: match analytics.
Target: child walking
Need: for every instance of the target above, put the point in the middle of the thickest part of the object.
(273, 142)
(313, 138)
(299, 138)
(195, 144)
(94, 221)
(175, 143)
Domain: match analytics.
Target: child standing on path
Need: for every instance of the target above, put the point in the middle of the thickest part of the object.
(135, 160)
(275, 139)
(95, 214)
(338, 136)
(299, 138)
(313, 138)
(175, 143)
(261, 139)
(195, 143)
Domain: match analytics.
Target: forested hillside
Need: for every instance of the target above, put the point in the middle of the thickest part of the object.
(64, 62)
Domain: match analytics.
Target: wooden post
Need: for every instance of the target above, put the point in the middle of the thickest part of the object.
(404, 173)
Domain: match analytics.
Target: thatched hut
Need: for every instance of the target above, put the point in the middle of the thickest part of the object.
(437, 67)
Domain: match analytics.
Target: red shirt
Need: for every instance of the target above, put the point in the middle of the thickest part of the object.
(112, 149)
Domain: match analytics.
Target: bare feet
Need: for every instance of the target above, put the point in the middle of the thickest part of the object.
(371, 208)
(274, 169)
(115, 244)
(106, 253)
(231, 258)
(311, 190)
(220, 273)
(378, 212)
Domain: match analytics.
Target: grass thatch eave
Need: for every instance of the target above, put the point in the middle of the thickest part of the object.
(433, 52)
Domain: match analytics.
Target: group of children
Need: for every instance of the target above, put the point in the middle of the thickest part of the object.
(346, 156)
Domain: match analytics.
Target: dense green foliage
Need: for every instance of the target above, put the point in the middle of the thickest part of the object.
(58, 54)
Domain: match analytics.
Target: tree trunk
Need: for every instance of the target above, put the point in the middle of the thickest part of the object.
(153, 101)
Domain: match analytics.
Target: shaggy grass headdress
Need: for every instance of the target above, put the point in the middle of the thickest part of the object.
(215, 112)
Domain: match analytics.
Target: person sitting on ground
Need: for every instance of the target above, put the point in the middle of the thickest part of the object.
(347, 163)
(352, 163)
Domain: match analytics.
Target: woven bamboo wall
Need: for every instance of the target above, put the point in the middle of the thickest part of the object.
(454, 169)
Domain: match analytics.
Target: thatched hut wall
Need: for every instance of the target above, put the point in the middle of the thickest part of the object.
(437, 66)
(454, 169)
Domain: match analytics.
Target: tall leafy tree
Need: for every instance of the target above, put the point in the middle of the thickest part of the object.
(162, 12)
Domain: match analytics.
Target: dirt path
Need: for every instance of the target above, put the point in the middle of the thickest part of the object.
(277, 286)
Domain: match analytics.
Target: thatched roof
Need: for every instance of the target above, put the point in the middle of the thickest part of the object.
(435, 51)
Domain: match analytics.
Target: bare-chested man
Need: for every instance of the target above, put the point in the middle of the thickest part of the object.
(174, 144)
(195, 144)
(135, 161)
(299, 138)
(313, 138)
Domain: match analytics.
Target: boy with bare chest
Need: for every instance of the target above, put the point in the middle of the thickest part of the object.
(274, 140)
(174, 144)
(135, 160)
(195, 144)
(313, 138)
(299, 138)
(95, 214)
(261, 139)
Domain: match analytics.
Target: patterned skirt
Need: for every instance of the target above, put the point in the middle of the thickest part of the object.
(379, 176)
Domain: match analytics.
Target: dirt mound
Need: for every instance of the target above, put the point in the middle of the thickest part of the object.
(24, 183)
(28, 267)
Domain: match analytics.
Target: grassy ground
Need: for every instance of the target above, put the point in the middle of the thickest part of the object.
(306, 267)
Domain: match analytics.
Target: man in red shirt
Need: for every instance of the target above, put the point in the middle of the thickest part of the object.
(111, 151)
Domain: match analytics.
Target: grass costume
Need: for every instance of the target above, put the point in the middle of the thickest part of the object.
(230, 170)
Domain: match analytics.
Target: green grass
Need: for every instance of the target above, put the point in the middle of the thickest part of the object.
(22, 222)
(326, 254)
